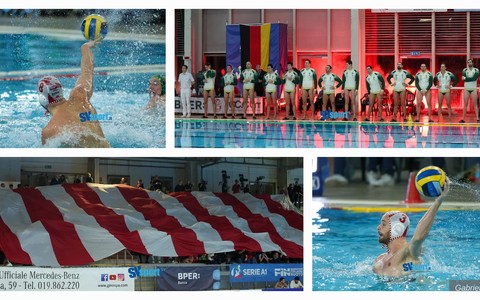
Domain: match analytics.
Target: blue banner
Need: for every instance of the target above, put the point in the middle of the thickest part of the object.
(233, 51)
(319, 176)
(264, 272)
(188, 278)
(283, 59)
(275, 46)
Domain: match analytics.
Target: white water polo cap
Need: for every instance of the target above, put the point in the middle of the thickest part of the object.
(50, 91)
(399, 223)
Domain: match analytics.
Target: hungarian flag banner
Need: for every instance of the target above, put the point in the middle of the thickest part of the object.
(261, 44)
(77, 224)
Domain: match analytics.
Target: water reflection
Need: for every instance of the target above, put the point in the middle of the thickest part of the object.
(259, 134)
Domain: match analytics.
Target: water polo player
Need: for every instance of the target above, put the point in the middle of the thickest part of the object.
(402, 256)
(67, 127)
(156, 91)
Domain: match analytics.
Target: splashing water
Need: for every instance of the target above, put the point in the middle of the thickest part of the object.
(131, 126)
(35, 45)
(344, 253)
(464, 191)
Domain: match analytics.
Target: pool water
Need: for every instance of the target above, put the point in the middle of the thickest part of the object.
(345, 245)
(194, 133)
(123, 69)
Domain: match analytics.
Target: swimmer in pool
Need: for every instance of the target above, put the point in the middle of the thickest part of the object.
(66, 115)
(156, 91)
(392, 233)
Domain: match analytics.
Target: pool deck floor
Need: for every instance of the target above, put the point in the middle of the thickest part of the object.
(199, 132)
(360, 196)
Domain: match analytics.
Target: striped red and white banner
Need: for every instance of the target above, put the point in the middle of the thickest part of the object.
(77, 224)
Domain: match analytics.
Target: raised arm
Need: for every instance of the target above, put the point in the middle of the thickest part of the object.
(425, 224)
(84, 85)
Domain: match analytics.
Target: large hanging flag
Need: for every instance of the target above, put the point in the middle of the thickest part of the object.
(258, 43)
(77, 224)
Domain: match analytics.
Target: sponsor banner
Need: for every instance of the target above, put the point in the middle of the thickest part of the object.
(197, 106)
(264, 272)
(65, 279)
(138, 271)
(189, 279)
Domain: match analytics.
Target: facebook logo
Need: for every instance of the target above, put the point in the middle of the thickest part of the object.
(104, 277)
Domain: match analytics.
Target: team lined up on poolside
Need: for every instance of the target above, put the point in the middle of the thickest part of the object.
(306, 79)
